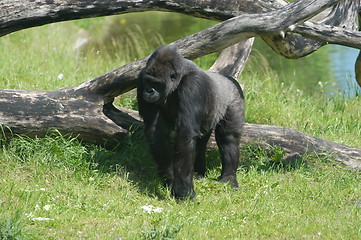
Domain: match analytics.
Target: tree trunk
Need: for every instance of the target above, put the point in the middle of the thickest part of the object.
(16, 15)
(78, 112)
(342, 14)
(86, 110)
(294, 143)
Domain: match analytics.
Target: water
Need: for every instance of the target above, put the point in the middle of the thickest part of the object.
(329, 71)
(343, 68)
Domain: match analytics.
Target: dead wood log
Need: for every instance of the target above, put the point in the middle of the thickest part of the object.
(342, 14)
(16, 15)
(297, 144)
(294, 143)
(32, 113)
(233, 59)
(219, 37)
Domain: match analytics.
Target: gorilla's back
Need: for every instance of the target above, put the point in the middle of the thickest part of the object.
(227, 93)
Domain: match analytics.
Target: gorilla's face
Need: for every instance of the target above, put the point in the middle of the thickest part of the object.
(160, 78)
(154, 90)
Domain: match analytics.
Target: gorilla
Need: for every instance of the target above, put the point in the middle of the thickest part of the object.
(181, 105)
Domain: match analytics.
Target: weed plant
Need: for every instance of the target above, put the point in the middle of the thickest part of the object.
(57, 187)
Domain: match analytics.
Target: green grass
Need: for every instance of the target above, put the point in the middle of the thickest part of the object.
(59, 188)
(334, 119)
(55, 187)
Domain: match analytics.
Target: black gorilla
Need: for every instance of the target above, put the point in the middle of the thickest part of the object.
(175, 95)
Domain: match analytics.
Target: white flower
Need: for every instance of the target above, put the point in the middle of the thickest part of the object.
(60, 76)
(42, 219)
(151, 209)
(47, 207)
(158, 210)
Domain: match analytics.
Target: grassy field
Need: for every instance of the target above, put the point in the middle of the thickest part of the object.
(58, 188)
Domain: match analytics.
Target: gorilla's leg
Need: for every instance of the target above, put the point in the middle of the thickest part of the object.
(228, 133)
(158, 136)
(200, 162)
(185, 148)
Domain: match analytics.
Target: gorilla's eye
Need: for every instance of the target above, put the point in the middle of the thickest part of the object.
(173, 76)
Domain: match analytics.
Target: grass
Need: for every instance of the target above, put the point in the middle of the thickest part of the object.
(333, 119)
(57, 187)
(87, 192)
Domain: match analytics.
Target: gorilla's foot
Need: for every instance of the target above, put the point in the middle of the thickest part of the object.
(232, 180)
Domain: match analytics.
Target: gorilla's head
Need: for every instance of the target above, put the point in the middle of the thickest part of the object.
(162, 74)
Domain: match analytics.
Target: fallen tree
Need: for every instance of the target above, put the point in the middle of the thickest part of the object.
(87, 110)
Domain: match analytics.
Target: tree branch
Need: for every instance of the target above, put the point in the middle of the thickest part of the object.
(211, 40)
(233, 59)
(34, 112)
(330, 34)
(297, 144)
(17, 14)
(294, 143)
(342, 14)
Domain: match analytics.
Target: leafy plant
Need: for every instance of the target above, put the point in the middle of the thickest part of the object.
(165, 232)
(12, 228)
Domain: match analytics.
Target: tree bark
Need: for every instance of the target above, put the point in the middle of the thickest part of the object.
(342, 14)
(16, 15)
(233, 59)
(223, 35)
(294, 143)
(86, 110)
(34, 112)
(297, 144)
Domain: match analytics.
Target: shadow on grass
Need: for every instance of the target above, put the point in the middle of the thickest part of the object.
(130, 160)
(134, 156)
(257, 157)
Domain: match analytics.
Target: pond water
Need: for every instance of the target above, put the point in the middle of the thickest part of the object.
(329, 70)
(343, 68)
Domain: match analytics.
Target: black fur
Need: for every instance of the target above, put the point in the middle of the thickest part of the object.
(175, 95)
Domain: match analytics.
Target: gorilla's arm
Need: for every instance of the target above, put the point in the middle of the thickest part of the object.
(157, 132)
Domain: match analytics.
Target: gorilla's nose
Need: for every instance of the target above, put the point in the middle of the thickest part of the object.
(150, 90)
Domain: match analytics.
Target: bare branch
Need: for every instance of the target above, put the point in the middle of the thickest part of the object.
(330, 34)
(233, 59)
(211, 40)
(343, 15)
(17, 14)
